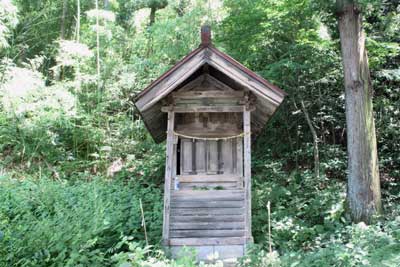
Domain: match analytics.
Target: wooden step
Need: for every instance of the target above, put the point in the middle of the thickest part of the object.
(206, 233)
(207, 241)
(206, 211)
(207, 178)
(207, 204)
(216, 195)
(208, 226)
(210, 182)
(207, 218)
(208, 186)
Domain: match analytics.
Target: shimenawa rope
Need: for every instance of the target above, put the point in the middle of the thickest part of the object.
(209, 138)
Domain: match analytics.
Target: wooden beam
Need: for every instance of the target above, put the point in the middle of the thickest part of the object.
(168, 175)
(239, 162)
(197, 109)
(247, 171)
(206, 233)
(207, 204)
(208, 94)
(194, 225)
(207, 211)
(206, 81)
(208, 218)
(208, 178)
(207, 241)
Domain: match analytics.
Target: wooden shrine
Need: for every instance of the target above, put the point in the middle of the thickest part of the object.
(208, 107)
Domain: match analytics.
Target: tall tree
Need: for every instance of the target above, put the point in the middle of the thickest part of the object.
(97, 45)
(63, 17)
(363, 190)
(155, 5)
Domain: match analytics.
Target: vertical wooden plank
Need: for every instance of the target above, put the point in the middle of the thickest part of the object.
(174, 163)
(247, 171)
(200, 156)
(239, 160)
(168, 175)
(186, 156)
(212, 157)
(234, 150)
(219, 157)
(227, 166)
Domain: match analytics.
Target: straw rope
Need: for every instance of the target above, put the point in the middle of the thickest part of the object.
(209, 138)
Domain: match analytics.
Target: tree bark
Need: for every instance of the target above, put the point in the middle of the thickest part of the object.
(363, 189)
(78, 39)
(63, 17)
(98, 49)
(152, 15)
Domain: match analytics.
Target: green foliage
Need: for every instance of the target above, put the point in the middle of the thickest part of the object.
(149, 257)
(80, 157)
(8, 20)
(57, 223)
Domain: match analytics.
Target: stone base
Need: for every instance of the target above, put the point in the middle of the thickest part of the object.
(210, 253)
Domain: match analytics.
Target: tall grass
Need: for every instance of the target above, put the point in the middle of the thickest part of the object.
(52, 223)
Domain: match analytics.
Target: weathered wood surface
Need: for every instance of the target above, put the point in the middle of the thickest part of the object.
(207, 211)
(212, 195)
(214, 58)
(207, 241)
(207, 214)
(209, 193)
(168, 174)
(244, 79)
(267, 97)
(208, 186)
(208, 178)
(204, 158)
(199, 94)
(206, 233)
(226, 225)
(198, 109)
(247, 170)
(239, 162)
(205, 82)
(222, 182)
(169, 83)
(207, 218)
(207, 204)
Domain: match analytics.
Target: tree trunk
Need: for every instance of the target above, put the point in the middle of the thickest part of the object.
(152, 15)
(78, 39)
(314, 137)
(98, 49)
(62, 34)
(363, 189)
(63, 17)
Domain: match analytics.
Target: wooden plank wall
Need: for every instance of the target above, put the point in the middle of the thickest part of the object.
(207, 217)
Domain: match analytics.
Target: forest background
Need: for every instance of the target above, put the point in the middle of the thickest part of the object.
(76, 159)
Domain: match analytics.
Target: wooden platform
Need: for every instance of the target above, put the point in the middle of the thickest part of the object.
(211, 221)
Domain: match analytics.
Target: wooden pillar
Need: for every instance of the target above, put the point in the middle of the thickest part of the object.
(247, 171)
(169, 168)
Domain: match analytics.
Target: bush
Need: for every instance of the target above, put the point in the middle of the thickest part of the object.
(52, 223)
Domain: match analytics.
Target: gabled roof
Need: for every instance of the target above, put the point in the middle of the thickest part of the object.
(226, 69)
